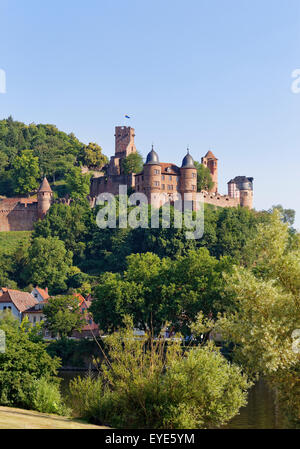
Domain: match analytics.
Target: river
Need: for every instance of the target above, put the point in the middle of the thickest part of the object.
(261, 411)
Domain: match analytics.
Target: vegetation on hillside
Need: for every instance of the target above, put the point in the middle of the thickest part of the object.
(30, 152)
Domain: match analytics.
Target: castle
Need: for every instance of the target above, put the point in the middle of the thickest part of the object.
(161, 182)
(20, 214)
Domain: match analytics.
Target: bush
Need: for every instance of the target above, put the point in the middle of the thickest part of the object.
(146, 384)
(85, 396)
(48, 398)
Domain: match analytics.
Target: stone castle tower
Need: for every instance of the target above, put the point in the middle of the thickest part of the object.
(44, 197)
(210, 161)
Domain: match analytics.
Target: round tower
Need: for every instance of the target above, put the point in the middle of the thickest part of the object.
(44, 197)
(188, 177)
(152, 178)
(246, 193)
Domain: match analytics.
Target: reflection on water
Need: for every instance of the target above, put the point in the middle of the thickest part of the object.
(260, 412)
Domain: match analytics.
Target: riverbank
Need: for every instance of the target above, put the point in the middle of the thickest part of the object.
(16, 418)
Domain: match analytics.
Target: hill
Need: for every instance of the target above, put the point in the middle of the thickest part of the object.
(56, 152)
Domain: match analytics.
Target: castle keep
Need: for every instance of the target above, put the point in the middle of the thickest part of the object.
(162, 181)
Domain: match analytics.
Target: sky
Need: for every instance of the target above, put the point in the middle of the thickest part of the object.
(206, 74)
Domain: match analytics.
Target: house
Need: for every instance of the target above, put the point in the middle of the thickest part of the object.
(90, 329)
(16, 301)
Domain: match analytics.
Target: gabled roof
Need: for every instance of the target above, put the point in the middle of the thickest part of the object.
(45, 186)
(42, 292)
(21, 300)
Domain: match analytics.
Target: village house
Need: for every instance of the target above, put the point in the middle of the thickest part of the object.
(30, 305)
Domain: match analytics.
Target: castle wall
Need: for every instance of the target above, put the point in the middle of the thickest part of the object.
(18, 216)
(110, 184)
(220, 200)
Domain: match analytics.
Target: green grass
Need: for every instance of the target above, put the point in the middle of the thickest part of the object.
(9, 241)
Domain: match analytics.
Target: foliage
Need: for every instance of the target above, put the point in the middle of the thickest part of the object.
(25, 173)
(86, 394)
(57, 152)
(155, 290)
(62, 315)
(78, 184)
(267, 310)
(204, 179)
(48, 264)
(48, 398)
(133, 163)
(147, 384)
(91, 155)
(24, 361)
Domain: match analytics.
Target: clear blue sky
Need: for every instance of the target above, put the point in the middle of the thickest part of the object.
(204, 73)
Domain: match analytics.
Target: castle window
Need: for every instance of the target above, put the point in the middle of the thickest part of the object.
(163, 186)
(170, 187)
(156, 172)
(194, 175)
(170, 178)
(163, 177)
(193, 187)
(156, 183)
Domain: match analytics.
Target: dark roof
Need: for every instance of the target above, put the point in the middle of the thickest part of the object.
(152, 157)
(188, 161)
(21, 300)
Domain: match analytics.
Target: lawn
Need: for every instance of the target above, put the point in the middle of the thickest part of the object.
(9, 241)
(15, 418)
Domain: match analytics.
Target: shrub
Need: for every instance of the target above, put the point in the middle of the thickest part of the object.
(48, 398)
(85, 396)
(148, 384)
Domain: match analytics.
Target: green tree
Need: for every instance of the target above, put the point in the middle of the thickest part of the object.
(24, 361)
(204, 179)
(48, 264)
(25, 173)
(133, 163)
(78, 184)
(92, 156)
(266, 294)
(62, 315)
(154, 290)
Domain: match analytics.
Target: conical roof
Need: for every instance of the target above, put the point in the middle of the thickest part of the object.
(188, 161)
(152, 157)
(210, 155)
(45, 186)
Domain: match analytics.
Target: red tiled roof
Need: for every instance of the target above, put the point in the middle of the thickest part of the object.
(43, 292)
(21, 300)
(8, 202)
(173, 169)
(80, 298)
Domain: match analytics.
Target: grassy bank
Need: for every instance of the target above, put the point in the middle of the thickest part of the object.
(16, 418)
(9, 241)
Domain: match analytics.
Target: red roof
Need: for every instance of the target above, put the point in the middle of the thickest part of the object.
(210, 155)
(43, 292)
(21, 300)
(169, 169)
